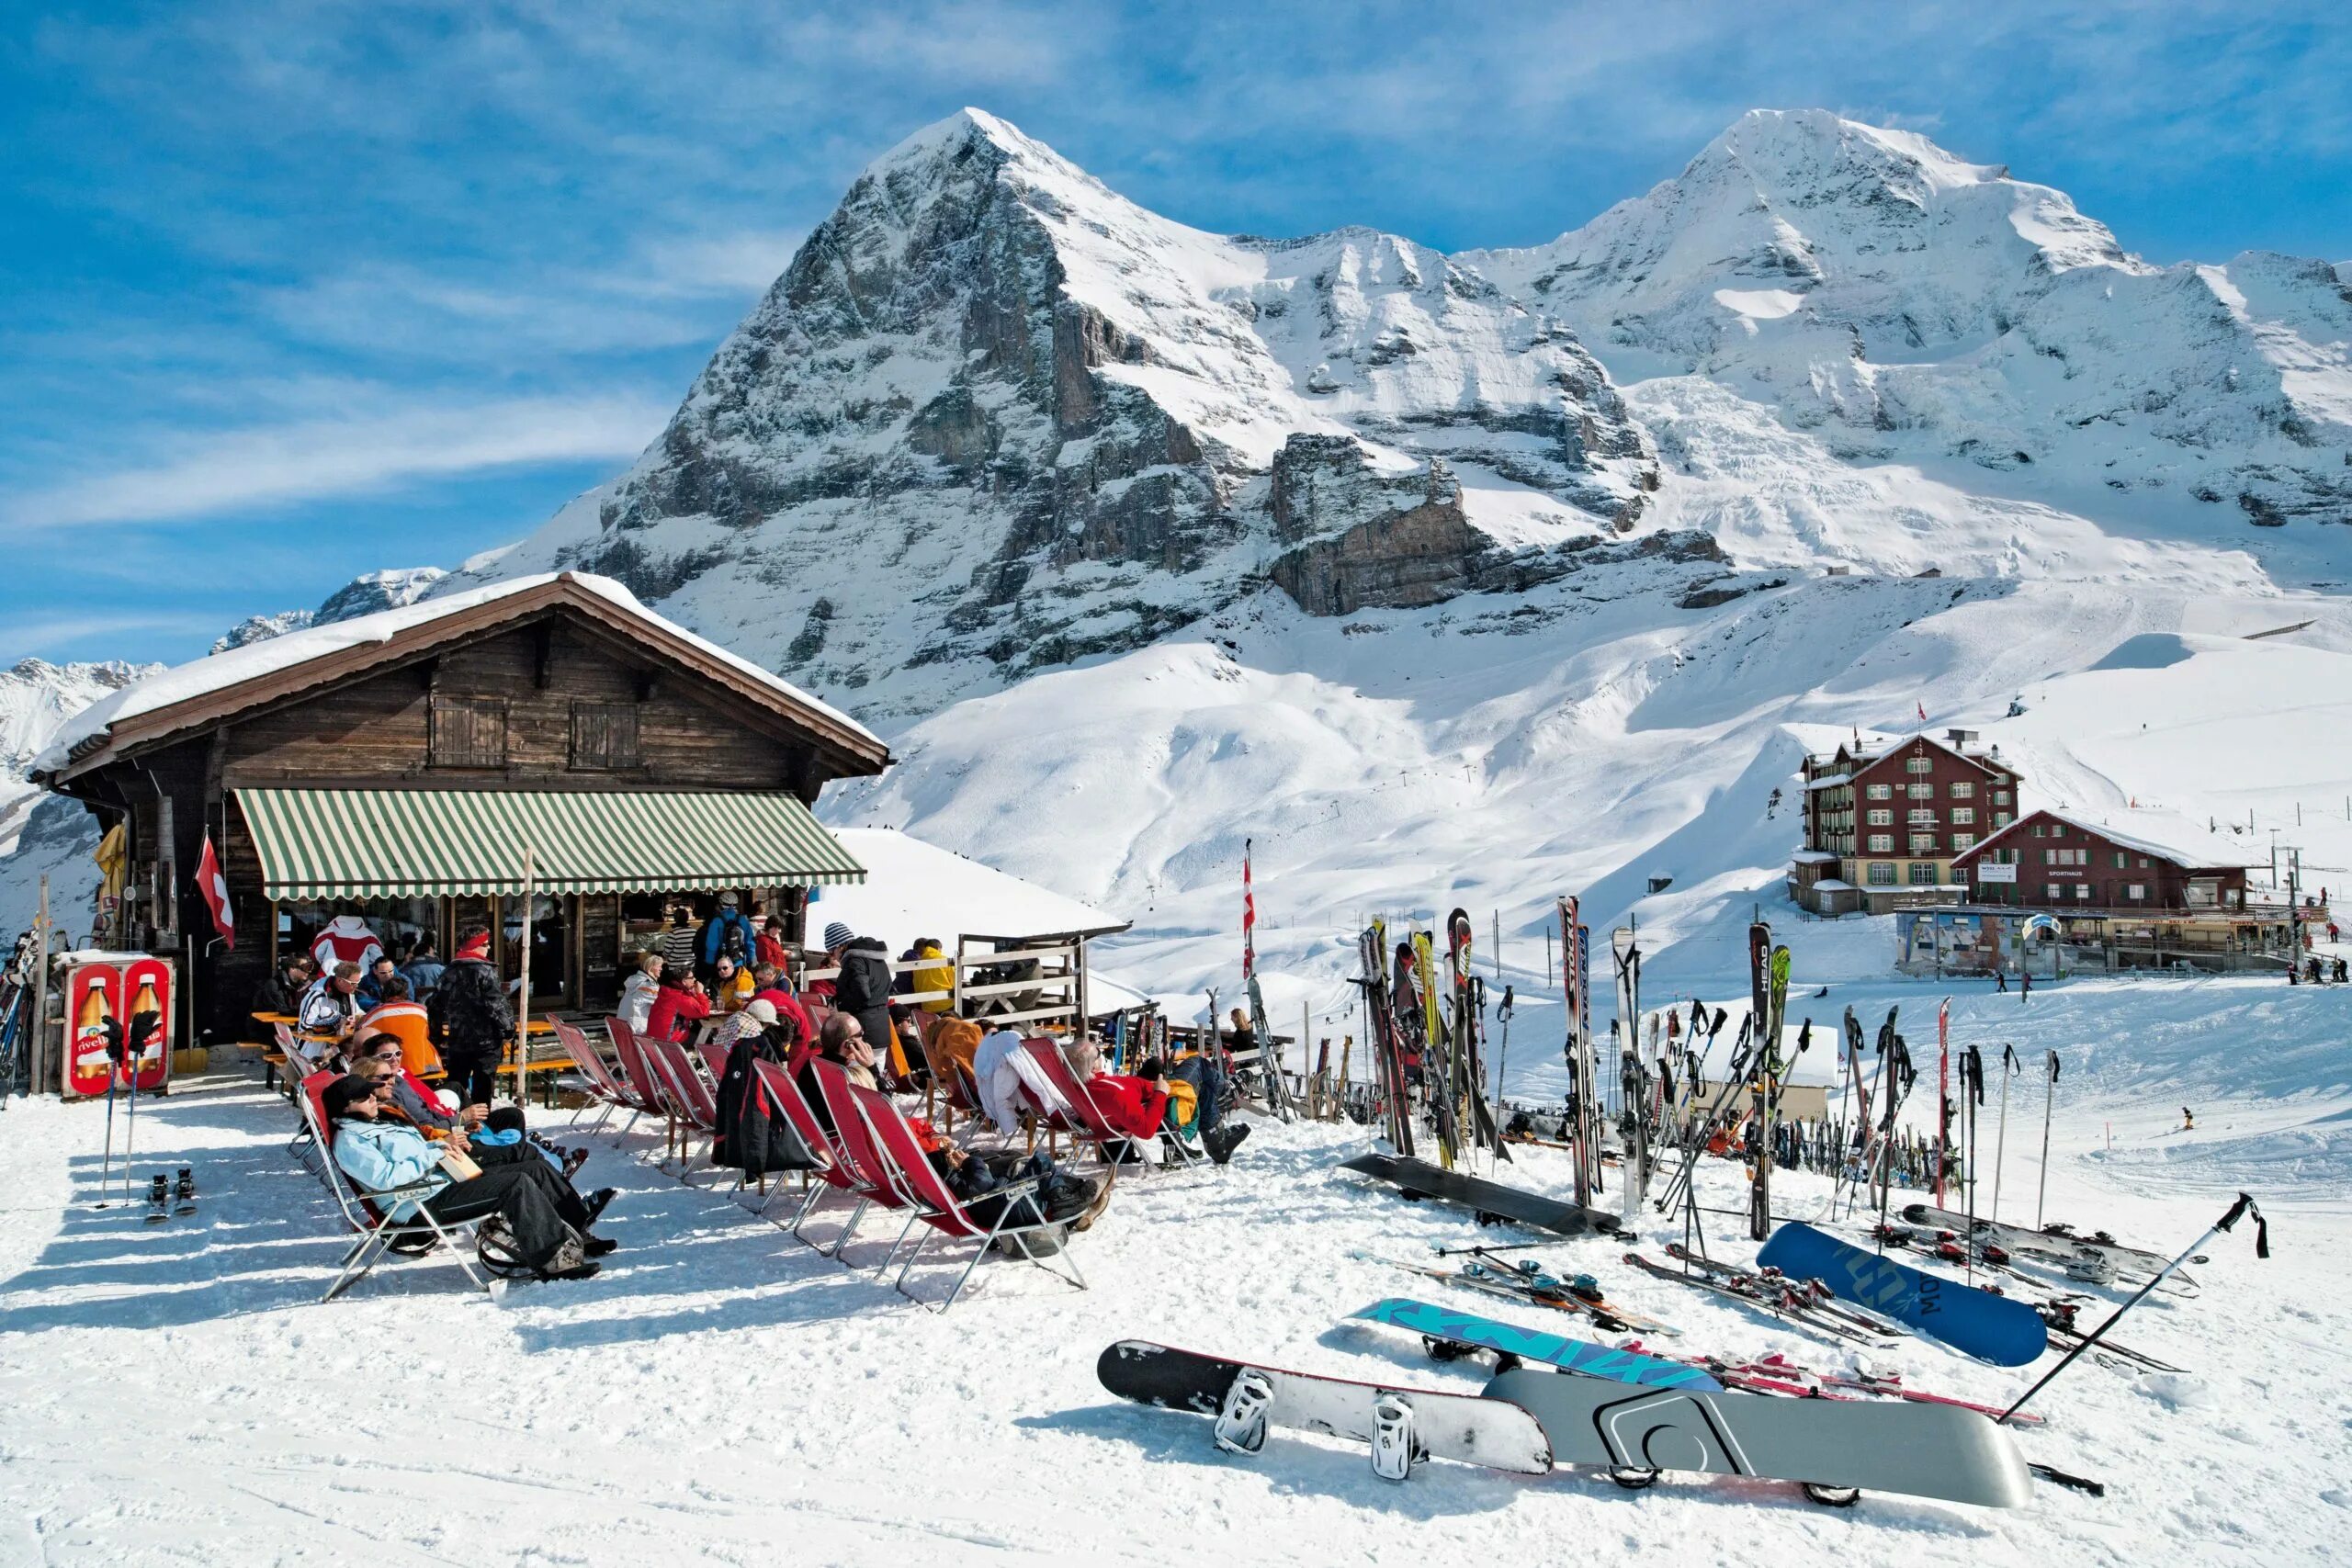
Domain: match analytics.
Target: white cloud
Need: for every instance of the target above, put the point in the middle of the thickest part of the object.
(352, 453)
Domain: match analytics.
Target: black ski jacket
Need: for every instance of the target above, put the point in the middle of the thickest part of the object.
(469, 1011)
(863, 989)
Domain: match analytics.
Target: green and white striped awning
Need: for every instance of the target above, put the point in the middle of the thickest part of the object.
(363, 843)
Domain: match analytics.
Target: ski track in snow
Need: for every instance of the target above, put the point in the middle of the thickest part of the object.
(175, 1395)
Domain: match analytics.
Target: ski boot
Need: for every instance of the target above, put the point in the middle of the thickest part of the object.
(1395, 1447)
(1242, 1421)
(159, 1200)
(184, 1192)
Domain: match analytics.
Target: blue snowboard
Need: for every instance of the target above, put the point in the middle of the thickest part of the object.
(1990, 1327)
(1553, 1349)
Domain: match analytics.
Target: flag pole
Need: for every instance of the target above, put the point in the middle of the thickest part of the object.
(522, 1000)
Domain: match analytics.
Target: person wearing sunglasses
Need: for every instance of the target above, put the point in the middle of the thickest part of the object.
(547, 1222)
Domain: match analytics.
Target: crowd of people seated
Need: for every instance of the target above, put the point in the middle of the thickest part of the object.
(392, 1026)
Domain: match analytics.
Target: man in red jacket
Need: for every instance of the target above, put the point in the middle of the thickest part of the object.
(1136, 1106)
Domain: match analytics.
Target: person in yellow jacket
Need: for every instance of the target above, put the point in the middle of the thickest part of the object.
(940, 976)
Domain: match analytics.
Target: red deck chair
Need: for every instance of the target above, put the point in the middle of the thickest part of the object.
(714, 1056)
(652, 1084)
(783, 1090)
(628, 1050)
(603, 1089)
(938, 1207)
(1085, 1120)
(698, 1111)
(855, 1143)
(367, 1213)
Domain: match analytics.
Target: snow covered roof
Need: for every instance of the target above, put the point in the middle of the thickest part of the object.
(913, 889)
(222, 673)
(1829, 781)
(1814, 857)
(2166, 834)
(1833, 885)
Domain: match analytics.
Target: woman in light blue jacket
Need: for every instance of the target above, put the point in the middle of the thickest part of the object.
(548, 1221)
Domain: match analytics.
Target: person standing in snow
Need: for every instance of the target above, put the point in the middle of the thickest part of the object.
(2025, 984)
(2000, 979)
(863, 988)
(680, 948)
(471, 1021)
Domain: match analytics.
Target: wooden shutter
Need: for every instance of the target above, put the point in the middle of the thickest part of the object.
(603, 736)
(468, 732)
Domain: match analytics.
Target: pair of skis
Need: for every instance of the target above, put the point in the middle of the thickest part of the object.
(1795, 1302)
(1578, 1293)
(2054, 1243)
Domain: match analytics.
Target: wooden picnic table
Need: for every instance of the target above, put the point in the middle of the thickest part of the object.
(544, 1058)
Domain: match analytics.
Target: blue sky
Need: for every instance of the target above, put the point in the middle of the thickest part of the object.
(293, 290)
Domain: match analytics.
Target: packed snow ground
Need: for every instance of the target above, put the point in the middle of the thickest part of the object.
(174, 1394)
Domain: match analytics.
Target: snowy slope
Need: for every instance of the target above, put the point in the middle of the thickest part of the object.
(176, 1396)
(1585, 738)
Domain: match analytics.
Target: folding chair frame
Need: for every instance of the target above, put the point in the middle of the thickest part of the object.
(375, 1238)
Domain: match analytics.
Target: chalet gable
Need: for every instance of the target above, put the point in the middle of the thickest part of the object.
(309, 666)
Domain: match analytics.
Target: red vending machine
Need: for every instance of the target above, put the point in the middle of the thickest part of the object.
(102, 986)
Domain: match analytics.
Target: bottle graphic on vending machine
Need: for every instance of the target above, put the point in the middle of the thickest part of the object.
(90, 1029)
(145, 1002)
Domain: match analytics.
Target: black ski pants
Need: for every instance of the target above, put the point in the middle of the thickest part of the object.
(473, 1071)
(539, 1205)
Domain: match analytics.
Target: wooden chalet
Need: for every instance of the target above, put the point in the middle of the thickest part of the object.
(403, 766)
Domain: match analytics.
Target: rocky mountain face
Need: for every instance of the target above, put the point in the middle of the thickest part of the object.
(363, 595)
(995, 418)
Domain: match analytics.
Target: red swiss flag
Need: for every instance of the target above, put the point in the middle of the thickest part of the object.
(215, 888)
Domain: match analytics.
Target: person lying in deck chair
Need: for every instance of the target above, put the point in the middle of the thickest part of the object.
(1135, 1104)
(488, 1137)
(378, 1058)
(1005, 1074)
(545, 1222)
(841, 1040)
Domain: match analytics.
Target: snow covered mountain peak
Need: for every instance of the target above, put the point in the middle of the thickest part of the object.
(996, 417)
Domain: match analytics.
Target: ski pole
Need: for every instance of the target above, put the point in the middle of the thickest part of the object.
(2048, 1093)
(131, 1120)
(1972, 1095)
(1502, 1060)
(106, 1166)
(2001, 1138)
(2244, 1206)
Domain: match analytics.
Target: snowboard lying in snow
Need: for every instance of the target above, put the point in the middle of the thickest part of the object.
(1468, 1331)
(1993, 1328)
(1470, 1429)
(1831, 1446)
(1423, 1179)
